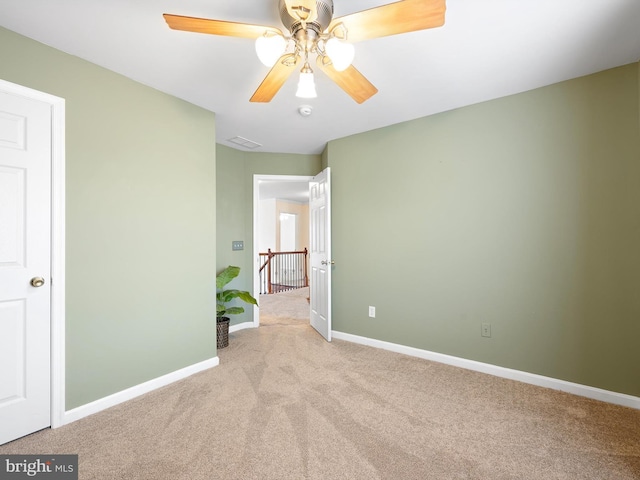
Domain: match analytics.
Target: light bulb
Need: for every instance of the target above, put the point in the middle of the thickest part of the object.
(306, 85)
(340, 53)
(269, 48)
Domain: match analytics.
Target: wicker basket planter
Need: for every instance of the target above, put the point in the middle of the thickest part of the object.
(222, 330)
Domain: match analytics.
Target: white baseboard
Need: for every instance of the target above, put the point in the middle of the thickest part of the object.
(525, 377)
(137, 390)
(241, 326)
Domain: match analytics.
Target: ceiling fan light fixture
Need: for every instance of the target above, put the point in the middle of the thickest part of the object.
(269, 47)
(340, 53)
(311, 28)
(306, 84)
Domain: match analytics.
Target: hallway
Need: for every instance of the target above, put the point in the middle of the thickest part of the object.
(290, 307)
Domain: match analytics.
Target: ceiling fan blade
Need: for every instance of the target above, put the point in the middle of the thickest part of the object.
(400, 17)
(276, 77)
(304, 10)
(217, 27)
(349, 80)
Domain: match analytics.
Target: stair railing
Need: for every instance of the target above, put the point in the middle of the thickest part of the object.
(282, 271)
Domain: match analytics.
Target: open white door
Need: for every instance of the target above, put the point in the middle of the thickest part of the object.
(25, 265)
(320, 252)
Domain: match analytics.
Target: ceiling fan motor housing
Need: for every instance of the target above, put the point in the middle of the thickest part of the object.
(325, 15)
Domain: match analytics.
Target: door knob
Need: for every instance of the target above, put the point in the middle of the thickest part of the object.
(325, 262)
(37, 282)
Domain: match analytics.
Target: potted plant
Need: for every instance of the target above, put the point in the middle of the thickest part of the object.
(223, 297)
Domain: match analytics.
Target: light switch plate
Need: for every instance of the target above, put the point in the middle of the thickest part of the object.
(237, 245)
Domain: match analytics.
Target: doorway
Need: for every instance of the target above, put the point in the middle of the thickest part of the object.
(280, 224)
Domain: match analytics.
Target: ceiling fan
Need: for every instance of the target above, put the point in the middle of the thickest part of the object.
(312, 30)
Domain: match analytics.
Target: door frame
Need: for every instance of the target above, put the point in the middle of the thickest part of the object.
(57, 313)
(256, 199)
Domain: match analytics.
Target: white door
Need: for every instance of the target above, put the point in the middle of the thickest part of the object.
(320, 252)
(25, 258)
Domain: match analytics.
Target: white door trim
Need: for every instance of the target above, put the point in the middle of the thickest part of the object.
(57, 243)
(256, 198)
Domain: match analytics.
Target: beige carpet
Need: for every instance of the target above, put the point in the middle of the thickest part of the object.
(285, 404)
(291, 307)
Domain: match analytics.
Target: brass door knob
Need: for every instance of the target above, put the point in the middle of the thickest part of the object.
(37, 282)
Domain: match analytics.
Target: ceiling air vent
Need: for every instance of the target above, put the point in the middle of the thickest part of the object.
(244, 142)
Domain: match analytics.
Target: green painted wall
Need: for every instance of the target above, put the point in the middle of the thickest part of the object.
(235, 171)
(522, 212)
(140, 193)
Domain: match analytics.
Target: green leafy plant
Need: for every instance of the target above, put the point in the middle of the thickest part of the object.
(223, 297)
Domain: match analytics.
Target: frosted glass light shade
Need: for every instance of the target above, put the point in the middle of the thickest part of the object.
(340, 53)
(306, 86)
(269, 48)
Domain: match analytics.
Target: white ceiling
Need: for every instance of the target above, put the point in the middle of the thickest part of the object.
(486, 49)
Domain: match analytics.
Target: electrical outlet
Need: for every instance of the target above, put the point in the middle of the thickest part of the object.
(485, 330)
(372, 311)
